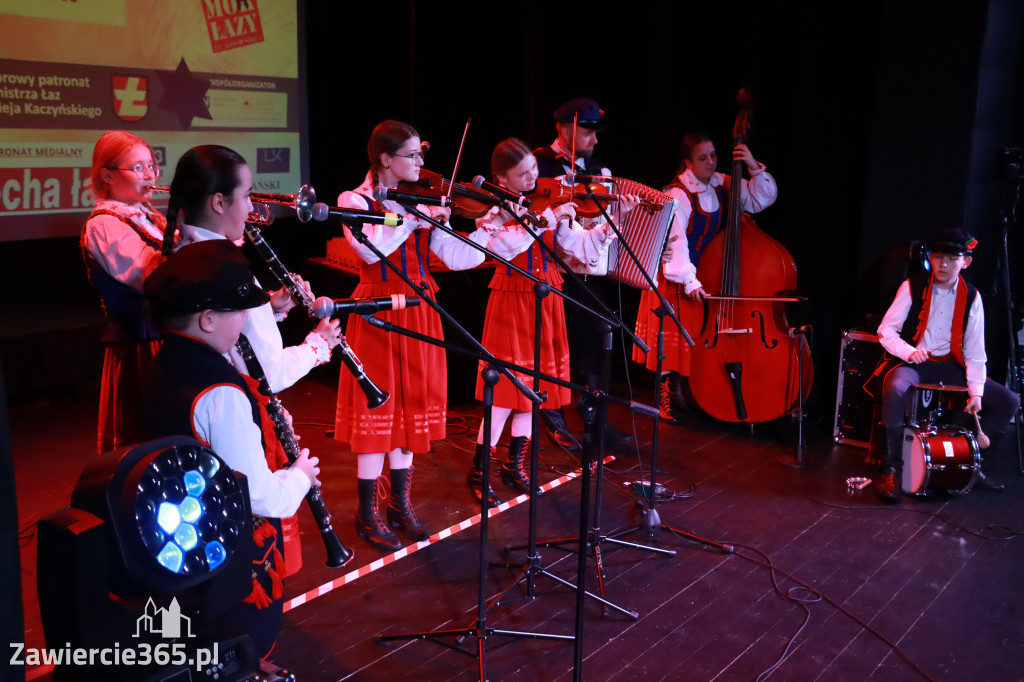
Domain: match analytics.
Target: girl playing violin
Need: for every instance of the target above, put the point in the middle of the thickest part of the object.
(412, 371)
(702, 195)
(509, 320)
(121, 246)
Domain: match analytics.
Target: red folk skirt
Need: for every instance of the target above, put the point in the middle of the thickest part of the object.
(677, 351)
(509, 332)
(413, 372)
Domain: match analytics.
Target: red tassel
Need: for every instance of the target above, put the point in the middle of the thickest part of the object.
(258, 597)
(262, 532)
(276, 584)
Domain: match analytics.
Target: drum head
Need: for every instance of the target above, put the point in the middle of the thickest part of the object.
(916, 459)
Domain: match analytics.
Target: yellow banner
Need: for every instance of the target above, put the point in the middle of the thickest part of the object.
(108, 12)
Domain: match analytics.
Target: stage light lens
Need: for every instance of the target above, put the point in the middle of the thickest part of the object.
(171, 558)
(168, 517)
(174, 490)
(209, 465)
(215, 554)
(195, 484)
(186, 536)
(191, 509)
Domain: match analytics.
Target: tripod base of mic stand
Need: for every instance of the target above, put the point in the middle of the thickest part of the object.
(533, 568)
(652, 520)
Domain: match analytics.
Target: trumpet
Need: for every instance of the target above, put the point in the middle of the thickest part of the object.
(302, 201)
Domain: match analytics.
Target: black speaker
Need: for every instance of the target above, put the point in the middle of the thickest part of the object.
(859, 354)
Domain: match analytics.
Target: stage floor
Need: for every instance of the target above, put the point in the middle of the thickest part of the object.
(930, 588)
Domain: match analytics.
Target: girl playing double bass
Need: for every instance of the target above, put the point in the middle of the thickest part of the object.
(702, 195)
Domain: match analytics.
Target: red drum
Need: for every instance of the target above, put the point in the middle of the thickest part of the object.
(939, 459)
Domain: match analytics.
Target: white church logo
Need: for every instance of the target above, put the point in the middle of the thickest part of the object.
(166, 622)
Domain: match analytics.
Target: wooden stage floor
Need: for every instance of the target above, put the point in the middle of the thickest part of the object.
(827, 579)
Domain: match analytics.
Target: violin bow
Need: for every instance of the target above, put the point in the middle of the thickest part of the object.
(458, 158)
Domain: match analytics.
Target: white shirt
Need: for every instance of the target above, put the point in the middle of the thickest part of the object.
(238, 441)
(756, 194)
(510, 239)
(455, 254)
(282, 365)
(117, 248)
(937, 335)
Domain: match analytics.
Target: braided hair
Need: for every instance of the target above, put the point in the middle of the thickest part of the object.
(387, 138)
(201, 172)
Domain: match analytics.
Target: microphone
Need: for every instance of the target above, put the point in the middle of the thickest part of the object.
(382, 193)
(802, 329)
(500, 192)
(352, 216)
(326, 307)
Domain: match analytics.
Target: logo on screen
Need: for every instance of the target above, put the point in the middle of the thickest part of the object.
(232, 23)
(273, 159)
(131, 97)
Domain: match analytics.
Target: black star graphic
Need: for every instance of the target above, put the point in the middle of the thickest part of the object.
(184, 94)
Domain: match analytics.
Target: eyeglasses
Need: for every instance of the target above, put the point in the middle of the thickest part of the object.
(414, 155)
(140, 169)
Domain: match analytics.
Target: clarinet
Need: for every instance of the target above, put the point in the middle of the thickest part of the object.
(375, 396)
(337, 553)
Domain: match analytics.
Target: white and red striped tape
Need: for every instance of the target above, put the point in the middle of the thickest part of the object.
(406, 551)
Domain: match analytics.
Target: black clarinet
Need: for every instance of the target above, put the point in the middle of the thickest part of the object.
(337, 553)
(375, 396)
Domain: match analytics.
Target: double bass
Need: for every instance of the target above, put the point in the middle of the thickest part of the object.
(745, 366)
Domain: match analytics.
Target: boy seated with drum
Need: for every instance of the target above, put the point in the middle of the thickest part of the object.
(934, 333)
(202, 294)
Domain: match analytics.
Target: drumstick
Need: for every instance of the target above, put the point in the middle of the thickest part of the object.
(983, 440)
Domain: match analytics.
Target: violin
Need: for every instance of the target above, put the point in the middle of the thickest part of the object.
(466, 200)
(552, 192)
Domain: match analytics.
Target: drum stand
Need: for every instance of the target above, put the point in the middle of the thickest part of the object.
(649, 513)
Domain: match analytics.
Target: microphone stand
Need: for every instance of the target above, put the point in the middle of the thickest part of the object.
(797, 461)
(1007, 219)
(594, 537)
(422, 292)
(490, 376)
(649, 518)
